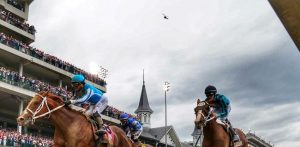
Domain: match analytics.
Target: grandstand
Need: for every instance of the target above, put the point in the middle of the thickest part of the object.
(255, 141)
(25, 70)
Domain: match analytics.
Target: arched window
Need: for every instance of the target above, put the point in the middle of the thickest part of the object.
(145, 117)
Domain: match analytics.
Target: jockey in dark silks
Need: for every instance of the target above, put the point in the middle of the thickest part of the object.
(221, 106)
(131, 127)
(87, 93)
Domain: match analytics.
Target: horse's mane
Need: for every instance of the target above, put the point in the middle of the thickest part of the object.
(52, 96)
(59, 99)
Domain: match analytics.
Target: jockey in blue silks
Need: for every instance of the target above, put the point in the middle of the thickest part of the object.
(221, 107)
(131, 127)
(87, 93)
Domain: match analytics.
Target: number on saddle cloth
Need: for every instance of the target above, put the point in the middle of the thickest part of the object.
(107, 128)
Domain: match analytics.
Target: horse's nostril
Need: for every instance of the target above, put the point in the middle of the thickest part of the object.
(21, 119)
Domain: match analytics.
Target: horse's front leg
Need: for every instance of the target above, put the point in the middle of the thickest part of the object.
(58, 138)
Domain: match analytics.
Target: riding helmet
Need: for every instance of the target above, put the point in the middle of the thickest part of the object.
(210, 89)
(78, 78)
(124, 116)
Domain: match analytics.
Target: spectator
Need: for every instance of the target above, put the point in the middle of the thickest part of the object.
(10, 137)
(7, 16)
(17, 4)
(29, 83)
(19, 45)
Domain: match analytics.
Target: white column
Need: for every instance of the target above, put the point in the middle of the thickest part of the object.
(149, 119)
(20, 111)
(60, 83)
(21, 69)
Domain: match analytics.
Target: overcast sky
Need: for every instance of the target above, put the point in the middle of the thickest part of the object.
(240, 46)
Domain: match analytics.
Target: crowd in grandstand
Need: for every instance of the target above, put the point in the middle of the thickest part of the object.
(20, 46)
(8, 17)
(10, 137)
(29, 83)
(14, 78)
(17, 4)
(115, 113)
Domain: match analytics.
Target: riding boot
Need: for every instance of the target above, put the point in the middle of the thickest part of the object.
(99, 121)
(235, 137)
(137, 141)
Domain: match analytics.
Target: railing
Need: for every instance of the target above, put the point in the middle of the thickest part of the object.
(258, 138)
(30, 84)
(17, 4)
(20, 46)
(12, 138)
(9, 18)
(13, 78)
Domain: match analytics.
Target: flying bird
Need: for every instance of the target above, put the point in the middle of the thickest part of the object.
(165, 16)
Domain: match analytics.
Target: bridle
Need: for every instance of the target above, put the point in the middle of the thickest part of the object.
(208, 117)
(39, 108)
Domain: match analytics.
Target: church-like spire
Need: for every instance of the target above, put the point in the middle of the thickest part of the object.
(143, 78)
(143, 104)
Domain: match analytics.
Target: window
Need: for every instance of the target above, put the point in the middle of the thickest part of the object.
(145, 117)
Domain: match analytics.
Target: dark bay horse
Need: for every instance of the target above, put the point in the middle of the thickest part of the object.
(72, 129)
(214, 134)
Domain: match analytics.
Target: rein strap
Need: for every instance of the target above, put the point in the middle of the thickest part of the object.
(44, 102)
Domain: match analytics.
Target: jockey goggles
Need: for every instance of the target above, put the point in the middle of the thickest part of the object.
(75, 84)
(209, 94)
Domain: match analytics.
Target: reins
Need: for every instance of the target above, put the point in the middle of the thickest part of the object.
(39, 108)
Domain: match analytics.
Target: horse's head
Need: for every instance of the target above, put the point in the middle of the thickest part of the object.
(203, 113)
(42, 104)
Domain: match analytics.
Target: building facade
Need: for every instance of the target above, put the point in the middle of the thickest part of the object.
(255, 141)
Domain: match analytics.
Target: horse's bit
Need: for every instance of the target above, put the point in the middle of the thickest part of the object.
(208, 117)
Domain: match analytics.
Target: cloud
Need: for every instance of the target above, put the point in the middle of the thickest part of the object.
(239, 46)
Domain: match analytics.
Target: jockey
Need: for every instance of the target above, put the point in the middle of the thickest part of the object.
(131, 127)
(87, 93)
(221, 107)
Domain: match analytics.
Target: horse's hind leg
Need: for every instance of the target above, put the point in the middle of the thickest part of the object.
(243, 138)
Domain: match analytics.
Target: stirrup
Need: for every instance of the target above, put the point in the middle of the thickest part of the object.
(238, 143)
(138, 142)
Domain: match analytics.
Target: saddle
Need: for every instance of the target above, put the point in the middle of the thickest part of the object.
(226, 125)
(108, 137)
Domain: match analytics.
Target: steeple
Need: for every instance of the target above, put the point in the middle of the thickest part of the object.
(144, 111)
(144, 104)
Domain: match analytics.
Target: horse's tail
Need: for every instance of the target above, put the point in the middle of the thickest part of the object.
(243, 137)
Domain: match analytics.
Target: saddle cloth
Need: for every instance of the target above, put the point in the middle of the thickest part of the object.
(108, 136)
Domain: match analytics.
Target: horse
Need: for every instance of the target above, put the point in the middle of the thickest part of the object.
(72, 128)
(215, 135)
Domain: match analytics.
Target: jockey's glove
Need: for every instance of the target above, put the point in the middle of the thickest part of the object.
(68, 102)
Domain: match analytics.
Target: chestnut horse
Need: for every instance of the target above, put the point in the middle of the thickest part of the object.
(72, 129)
(215, 135)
